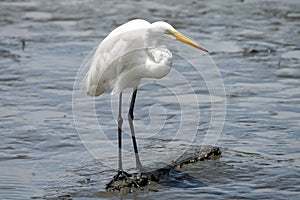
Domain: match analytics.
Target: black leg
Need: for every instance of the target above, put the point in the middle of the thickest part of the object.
(122, 175)
(130, 119)
(120, 122)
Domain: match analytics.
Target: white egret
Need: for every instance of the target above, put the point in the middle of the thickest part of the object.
(129, 53)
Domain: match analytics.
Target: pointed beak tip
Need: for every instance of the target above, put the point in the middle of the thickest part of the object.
(187, 40)
(205, 50)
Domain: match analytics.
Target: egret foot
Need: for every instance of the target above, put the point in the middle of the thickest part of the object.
(118, 178)
(124, 179)
(121, 175)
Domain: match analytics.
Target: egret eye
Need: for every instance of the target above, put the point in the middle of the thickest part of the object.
(168, 31)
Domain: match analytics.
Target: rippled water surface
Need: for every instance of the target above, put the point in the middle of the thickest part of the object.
(255, 45)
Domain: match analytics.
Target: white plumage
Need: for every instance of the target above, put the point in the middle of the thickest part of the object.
(132, 51)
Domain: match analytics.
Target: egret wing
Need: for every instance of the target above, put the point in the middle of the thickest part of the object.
(105, 65)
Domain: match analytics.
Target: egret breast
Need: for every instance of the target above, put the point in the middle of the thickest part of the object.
(160, 55)
(159, 62)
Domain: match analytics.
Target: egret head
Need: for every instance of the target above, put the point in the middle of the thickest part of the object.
(166, 31)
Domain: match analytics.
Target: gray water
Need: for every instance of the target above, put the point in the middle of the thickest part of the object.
(255, 45)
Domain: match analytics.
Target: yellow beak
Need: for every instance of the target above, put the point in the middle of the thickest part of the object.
(185, 39)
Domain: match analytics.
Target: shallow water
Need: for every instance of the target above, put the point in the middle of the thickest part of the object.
(255, 45)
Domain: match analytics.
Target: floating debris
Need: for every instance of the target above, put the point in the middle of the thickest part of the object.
(23, 44)
(247, 52)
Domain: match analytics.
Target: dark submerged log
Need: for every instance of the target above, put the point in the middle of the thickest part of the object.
(135, 181)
